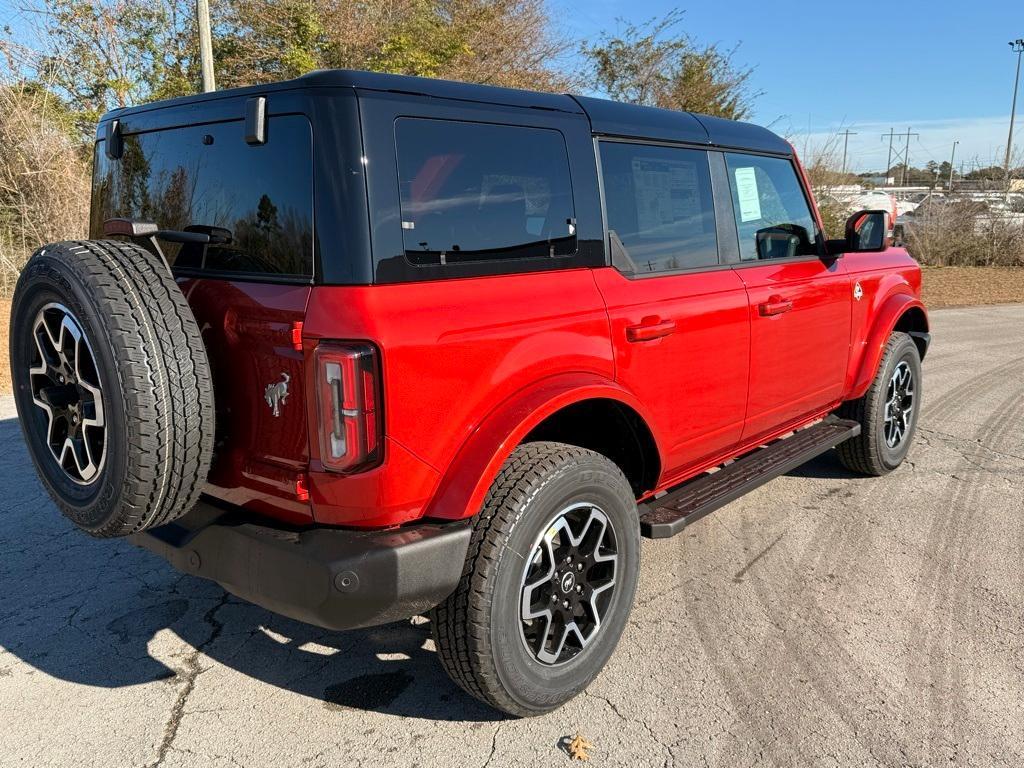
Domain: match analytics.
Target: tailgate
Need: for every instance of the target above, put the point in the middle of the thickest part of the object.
(261, 452)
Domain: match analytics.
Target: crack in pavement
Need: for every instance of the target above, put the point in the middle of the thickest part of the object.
(975, 442)
(669, 754)
(494, 745)
(191, 673)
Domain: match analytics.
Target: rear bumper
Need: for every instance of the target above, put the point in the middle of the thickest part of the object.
(334, 578)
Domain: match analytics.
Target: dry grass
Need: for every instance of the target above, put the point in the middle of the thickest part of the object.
(965, 234)
(44, 179)
(972, 286)
(5, 363)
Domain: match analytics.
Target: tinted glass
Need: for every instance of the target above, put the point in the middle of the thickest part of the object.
(773, 219)
(477, 191)
(660, 207)
(257, 199)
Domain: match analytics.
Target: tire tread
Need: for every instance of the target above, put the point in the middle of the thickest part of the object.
(861, 454)
(460, 625)
(163, 373)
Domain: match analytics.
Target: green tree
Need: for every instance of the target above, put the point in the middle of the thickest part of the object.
(659, 65)
(505, 42)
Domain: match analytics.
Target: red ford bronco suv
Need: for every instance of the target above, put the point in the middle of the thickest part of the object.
(360, 347)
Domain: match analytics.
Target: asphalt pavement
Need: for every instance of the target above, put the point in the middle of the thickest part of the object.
(824, 619)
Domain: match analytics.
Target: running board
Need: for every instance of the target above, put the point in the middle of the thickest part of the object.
(666, 516)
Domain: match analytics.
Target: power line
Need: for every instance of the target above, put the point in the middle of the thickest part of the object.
(906, 158)
(846, 140)
(952, 158)
(888, 163)
(1017, 46)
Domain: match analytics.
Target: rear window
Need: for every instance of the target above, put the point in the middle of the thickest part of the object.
(257, 199)
(476, 191)
(661, 211)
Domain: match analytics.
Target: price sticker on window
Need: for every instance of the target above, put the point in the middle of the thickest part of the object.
(746, 192)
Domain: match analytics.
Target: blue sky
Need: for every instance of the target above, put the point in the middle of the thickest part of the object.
(941, 68)
(944, 69)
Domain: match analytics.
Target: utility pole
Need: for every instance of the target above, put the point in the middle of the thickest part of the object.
(951, 158)
(888, 163)
(205, 44)
(846, 140)
(906, 158)
(1017, 46)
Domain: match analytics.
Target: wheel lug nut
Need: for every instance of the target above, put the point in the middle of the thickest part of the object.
(578, 589)
(565, 603)
(579, 567)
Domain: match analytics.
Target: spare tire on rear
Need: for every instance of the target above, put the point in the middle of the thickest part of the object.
(112, 385)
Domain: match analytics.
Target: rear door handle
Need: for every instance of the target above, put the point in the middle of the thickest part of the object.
(775, 305)
(649, 329)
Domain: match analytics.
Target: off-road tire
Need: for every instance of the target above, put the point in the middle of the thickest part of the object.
(868, 453)
(476, 630)
(157, 393)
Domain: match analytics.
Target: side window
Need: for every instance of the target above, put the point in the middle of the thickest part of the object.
(773, 220)
(256, 201)
(475, 191)
(661, 213)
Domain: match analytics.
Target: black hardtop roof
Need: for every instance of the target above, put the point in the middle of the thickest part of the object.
(606, 117)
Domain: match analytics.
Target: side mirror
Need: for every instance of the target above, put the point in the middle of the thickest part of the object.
(866, 232)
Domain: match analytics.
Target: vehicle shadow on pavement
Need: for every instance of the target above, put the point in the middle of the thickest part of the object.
(93, 612)
(824, 467)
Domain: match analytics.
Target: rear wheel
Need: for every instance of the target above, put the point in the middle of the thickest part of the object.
(887, 412)
(112, 385)
(548, 582)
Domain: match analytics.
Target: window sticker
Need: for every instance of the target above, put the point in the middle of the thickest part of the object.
(746, 192)
(667, 193)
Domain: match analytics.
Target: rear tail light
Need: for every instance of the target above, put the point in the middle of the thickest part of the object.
(348, 398)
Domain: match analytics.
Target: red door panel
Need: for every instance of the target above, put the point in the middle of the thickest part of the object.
(799, 340)
(682, 347)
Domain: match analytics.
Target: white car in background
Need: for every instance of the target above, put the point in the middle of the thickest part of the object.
(853, 199)
(875, 199)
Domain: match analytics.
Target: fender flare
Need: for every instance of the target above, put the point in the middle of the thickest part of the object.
(888, 316)
(471, 473)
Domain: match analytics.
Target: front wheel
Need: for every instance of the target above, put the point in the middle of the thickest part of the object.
(887, 412)
(548, 583)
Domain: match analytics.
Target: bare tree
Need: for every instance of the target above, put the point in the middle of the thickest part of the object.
(44, 177)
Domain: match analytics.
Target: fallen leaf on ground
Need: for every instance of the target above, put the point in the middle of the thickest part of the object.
(578, 747)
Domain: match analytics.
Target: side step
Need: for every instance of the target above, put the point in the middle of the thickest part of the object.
(666, 516)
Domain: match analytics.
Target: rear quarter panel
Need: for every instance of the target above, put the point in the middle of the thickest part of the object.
(452, 352)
